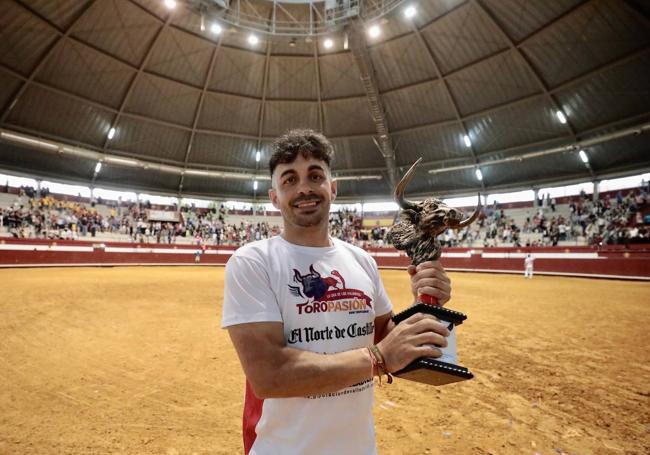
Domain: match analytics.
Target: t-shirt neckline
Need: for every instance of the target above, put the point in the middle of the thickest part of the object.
(311, 249)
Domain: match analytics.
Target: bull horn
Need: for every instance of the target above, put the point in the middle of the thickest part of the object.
(401, 186)
(472, 218)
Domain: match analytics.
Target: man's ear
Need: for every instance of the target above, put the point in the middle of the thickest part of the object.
(274, 198)
(333, 188)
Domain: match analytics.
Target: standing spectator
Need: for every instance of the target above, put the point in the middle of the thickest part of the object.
(528, 266)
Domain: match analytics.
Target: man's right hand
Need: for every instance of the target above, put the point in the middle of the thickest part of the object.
(413, 338)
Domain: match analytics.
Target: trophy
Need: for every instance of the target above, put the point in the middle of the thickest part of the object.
(420, 224)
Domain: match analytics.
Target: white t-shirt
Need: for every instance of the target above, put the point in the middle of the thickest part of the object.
(327, 298)
(528, 262)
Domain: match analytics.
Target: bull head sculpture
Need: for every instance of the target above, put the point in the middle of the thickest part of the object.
(421, 223)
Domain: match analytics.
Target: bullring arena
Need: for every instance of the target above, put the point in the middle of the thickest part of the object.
(135, 138)
(131, 360)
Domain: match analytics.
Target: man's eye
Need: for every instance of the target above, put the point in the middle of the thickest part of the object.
(316, 177)
(290, 180)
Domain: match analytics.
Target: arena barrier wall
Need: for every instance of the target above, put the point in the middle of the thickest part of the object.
(605, 262)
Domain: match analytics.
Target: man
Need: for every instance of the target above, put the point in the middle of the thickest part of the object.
(528, 266)
(302, 310)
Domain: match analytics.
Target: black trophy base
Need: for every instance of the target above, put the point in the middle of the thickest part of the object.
(443, 313)
(433, 372)
(428, 370)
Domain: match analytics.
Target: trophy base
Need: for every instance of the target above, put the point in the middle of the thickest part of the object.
(455, 317)
(433, 372)
(429, 370)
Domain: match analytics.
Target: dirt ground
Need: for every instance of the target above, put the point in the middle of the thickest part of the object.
(132, 361)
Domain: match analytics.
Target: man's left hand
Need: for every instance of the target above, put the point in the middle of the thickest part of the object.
(431, 279)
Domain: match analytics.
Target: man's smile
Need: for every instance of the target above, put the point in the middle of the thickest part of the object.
(307, 204)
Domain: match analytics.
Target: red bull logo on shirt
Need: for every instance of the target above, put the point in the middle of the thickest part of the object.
(328, 293)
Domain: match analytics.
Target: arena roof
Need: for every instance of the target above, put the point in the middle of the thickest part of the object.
(181, 99)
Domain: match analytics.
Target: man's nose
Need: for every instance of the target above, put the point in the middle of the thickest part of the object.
(303, 187)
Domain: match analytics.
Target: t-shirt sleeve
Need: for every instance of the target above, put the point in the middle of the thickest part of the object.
(248, 295)
(383, 304)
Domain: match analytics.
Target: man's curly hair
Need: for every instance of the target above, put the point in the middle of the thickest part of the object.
(308, 143)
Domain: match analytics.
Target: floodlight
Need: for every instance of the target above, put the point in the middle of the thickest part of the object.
(374, 31)
(409, 12)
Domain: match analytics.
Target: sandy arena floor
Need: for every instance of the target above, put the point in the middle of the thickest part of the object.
(132, 361)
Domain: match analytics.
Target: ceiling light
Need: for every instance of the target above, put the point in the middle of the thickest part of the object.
(253, 40)
(583, 156)
(216, 28)
(358, 177)
(197, 172)
(98, 167)
(255, 184)
(117, 160)
(170, 4)
(409, 12)
(479, 175)
(561, 117)
(258, 156)
(328, 43)
(345, 42)
(468, 142)
(374, 31)
(111, 133)
(202, 23)
(292, 42)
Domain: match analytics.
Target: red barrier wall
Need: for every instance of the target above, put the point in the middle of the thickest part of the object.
(607, 262)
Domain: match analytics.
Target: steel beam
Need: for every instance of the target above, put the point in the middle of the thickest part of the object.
(445, 84)
(541, 84)
(44, 59)
(362, 58)
(136, 77)
(321, 116)
(197, 112)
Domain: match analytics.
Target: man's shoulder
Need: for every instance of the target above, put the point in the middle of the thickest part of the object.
(259, 250)
(355, 250)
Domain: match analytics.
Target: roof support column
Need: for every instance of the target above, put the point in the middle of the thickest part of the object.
(538, 78)
(443, 81)
(44, 59)
(197, 113)
(361, 55)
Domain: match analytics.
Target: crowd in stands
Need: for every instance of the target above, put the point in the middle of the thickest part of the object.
(603, 221)
(347, 225)
(598, 222)
(45, 217)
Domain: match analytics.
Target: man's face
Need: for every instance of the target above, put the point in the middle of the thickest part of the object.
(303, 191)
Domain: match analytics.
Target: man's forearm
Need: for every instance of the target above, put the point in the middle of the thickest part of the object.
(296, 373)
(380, 334)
